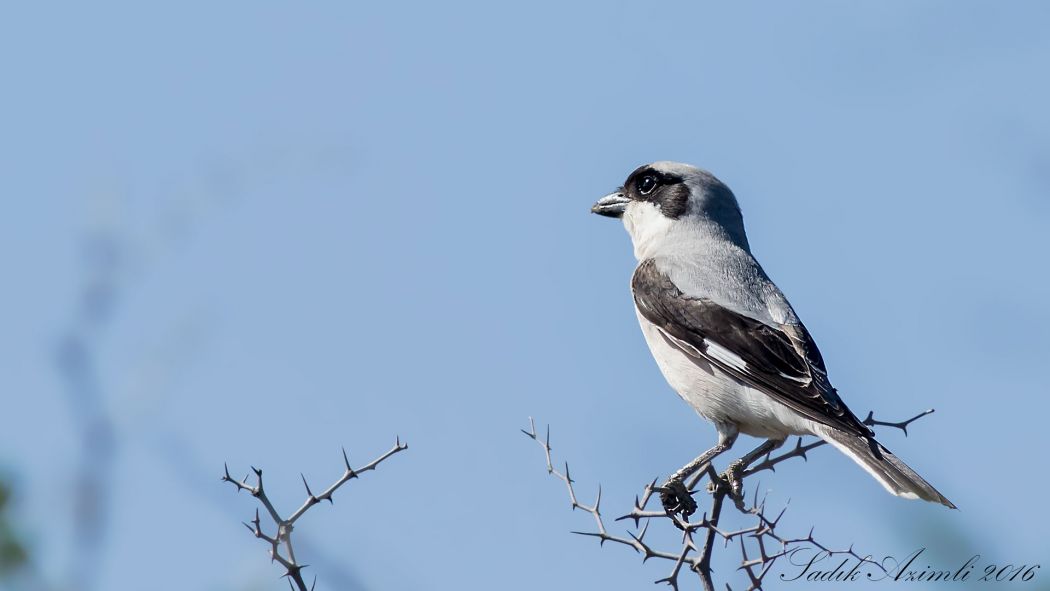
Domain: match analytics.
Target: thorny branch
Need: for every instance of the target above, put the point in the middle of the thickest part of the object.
(761, 545)
(283, 535)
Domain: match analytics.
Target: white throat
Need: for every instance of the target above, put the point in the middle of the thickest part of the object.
(649, 229)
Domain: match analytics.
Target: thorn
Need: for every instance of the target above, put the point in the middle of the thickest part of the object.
(646, 556)
(777, 520)
(592, 534)
(309, 493)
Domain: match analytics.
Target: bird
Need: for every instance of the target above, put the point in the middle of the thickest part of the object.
(726, 338)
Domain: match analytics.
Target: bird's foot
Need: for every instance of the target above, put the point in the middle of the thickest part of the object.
(733, 479)
(677, 500)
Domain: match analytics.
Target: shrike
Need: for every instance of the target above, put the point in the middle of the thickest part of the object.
(725, 337)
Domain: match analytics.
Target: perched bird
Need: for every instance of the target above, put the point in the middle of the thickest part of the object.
(725, 337)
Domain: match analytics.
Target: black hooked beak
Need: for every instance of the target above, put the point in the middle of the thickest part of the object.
(612, 205)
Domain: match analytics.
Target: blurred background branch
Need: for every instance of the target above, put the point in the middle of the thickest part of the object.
(124, 236)
(103, 260)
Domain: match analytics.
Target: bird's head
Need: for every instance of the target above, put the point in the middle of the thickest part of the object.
(668, 202)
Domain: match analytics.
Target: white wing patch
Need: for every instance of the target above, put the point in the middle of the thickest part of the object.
(803, 381)
(720, 354)
(712, 351)
(725, 356)
(689, 348)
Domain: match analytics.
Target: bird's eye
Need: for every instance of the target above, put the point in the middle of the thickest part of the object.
(647, 184)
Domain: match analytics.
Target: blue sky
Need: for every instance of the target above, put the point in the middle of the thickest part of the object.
(342, 222)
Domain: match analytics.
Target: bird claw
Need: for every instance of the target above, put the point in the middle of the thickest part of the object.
(732, 478)
(675, 498)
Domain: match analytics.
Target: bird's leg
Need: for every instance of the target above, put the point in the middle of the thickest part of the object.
(674, 495)
(735, 469)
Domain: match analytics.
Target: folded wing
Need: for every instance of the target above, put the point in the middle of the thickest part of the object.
(782, 361)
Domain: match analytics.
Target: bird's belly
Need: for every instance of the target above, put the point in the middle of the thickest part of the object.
(719, 397)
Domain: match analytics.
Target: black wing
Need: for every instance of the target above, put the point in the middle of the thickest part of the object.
(783, 362)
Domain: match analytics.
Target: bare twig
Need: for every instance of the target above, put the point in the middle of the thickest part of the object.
(283, 536)
(800, 450)
(761, 546)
